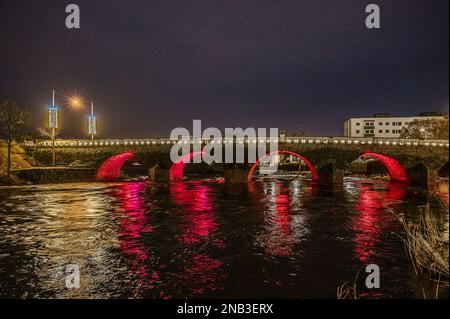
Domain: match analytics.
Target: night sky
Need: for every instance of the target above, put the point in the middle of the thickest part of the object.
(150, 66)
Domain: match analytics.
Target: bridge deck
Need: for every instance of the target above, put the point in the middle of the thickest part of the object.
(287, 140)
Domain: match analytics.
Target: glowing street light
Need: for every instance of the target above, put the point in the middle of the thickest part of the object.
(75, 102)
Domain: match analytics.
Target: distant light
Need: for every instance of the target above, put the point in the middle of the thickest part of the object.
(75, 102)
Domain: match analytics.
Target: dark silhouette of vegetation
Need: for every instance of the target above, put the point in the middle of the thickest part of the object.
(15, 126)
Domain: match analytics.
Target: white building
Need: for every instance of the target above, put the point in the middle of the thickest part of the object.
(382, 125)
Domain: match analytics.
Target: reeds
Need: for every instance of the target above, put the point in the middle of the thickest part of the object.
(427, 246)
(346, 291)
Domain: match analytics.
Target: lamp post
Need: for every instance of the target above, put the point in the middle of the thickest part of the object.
(53, 124)
(53, 119)
(92, 122)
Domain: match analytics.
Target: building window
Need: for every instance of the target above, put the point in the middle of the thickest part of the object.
(380, 131)
(387, 131)
(387, 123)
(381, 123)
(399, 123)
(357, 124)
(357, 131)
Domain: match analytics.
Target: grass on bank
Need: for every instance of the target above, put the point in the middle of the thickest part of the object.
(427, 246)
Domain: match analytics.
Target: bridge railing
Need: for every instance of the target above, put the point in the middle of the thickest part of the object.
(288, 140)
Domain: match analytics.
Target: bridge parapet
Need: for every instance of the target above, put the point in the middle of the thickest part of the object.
(330, 141)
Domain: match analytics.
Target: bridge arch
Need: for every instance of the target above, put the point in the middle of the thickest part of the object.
(110, 169)
(395, 169)
(177, 169)
(315, 175)
(443, 171)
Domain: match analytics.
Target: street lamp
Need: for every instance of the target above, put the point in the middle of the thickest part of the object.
(53, 118)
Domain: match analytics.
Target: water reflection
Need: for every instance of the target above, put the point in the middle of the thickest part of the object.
(134, 225)
(43, 231)
(198, 210)
(196, 213)
(374, 219)
(273, 237)
(284, 223)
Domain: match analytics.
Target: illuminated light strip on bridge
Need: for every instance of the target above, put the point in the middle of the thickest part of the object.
(110, 169)
(396, 170)
(177, 169)
(314, 177)
(287, 140)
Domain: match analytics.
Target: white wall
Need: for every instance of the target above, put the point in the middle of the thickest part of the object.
(384, 127)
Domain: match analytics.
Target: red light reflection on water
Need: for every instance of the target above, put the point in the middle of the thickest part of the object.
(373, 218)
(133, 224)
(199, 210)
(283, 219)
(198, 220)
(199, 272)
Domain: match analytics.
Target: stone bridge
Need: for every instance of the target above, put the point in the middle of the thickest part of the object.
(329, 156)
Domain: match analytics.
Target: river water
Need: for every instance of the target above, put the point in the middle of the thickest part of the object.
(280, 237)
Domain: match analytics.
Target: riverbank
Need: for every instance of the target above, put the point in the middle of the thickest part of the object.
(19, 160)
(44, 175)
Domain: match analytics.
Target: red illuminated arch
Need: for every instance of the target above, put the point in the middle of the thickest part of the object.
(315, 176)
(177, 169)
(396, 170)
(110, 169)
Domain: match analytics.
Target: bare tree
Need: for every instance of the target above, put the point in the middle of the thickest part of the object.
(47, 132)
(15, 125)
